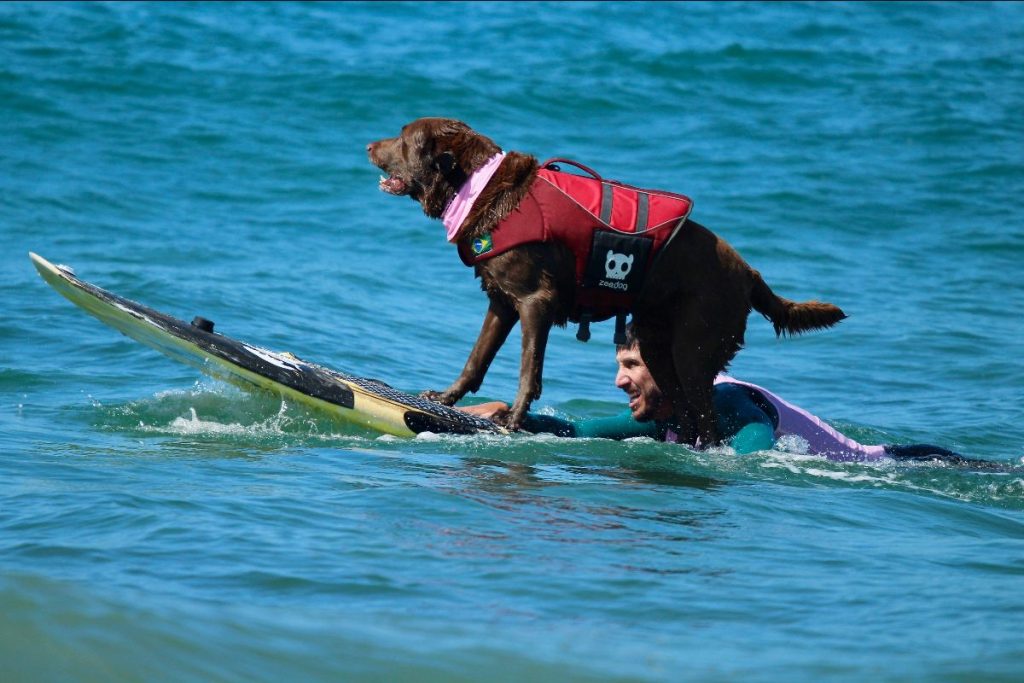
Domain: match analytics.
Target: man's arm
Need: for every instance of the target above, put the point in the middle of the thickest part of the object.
(741, 422)
(616, 427)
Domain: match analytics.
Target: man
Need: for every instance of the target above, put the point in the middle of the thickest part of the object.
(750, 418)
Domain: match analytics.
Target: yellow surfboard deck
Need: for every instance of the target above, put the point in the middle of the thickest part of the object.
(365, 402)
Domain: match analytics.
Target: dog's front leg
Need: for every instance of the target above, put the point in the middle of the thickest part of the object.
(499, 321)
(536, 317)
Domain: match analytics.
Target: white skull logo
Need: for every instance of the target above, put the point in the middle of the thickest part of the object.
(617, 266)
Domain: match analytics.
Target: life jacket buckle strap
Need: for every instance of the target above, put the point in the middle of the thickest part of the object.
(583, 333)
(620, 329)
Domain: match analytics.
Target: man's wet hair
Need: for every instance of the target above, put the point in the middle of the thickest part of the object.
(631, 340)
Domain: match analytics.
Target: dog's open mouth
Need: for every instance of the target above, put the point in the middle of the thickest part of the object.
(393, 185)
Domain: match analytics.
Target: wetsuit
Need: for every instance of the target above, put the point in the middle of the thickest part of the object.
(741, 422)
(750, 419)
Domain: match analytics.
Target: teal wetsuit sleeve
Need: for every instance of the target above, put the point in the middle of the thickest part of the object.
(621, 426)
(741, 422)
(753, 437)
(616, 427)
(548, 424)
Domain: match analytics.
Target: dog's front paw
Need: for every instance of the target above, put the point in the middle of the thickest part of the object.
(508, 419)
(445, 398)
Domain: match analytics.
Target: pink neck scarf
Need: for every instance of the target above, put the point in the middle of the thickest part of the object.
(457, 210)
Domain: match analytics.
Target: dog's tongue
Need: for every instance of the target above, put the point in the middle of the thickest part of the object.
(393, 185)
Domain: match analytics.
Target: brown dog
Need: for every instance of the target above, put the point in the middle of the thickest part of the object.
(690, 315)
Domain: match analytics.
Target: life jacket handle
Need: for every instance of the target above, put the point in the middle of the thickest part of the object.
(558, 160)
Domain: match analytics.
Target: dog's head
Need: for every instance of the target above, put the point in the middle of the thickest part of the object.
(430, 160)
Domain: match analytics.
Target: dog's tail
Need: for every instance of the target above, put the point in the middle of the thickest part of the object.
(790, 317)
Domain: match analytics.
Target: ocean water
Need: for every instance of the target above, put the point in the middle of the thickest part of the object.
(209, 159)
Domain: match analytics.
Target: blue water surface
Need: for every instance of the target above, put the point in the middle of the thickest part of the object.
(209, 159)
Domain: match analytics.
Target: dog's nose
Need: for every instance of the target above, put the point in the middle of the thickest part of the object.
(369, 147)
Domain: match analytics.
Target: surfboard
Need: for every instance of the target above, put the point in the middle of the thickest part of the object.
(366, 402)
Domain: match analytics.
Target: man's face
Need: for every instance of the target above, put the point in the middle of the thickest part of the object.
(645, 399)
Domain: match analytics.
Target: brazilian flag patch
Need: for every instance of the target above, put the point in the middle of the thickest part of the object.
(482, 245)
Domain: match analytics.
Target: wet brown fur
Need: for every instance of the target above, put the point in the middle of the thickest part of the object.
(690, 317)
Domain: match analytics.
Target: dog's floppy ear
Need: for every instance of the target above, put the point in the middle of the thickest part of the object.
(448, 166)
(446, 163)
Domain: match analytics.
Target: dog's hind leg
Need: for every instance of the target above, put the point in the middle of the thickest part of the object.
(705, 337)
(693, 341)
(499, 321)
(655, 343)
(683, 384)
(695, 401)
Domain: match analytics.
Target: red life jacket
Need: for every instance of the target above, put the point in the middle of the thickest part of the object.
(613, 230)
